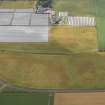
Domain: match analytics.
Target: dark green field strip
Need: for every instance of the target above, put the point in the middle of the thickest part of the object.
(50, 47)
(51, 98)
(100, 16)
(33, 48)
(24, 98)
(101, 33)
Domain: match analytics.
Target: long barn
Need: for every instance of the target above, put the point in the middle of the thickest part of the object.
(22, 25)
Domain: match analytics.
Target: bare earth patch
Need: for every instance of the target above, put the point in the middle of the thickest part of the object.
(79, 98)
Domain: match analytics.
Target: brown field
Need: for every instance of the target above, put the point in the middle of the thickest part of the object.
(79, 98)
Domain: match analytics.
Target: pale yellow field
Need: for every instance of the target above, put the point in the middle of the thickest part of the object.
(79, 98)
(17, 4)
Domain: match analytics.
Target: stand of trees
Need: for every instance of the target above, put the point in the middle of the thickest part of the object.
(45, 3)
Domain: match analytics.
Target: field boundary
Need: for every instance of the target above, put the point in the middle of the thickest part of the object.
(47, 90)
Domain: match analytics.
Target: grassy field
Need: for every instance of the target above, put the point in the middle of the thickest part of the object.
(75, 7)
(79, 98)
(76, 39)
(24, 99)
(86, 8)
(16, 4)
(100, 16)
(84, 70)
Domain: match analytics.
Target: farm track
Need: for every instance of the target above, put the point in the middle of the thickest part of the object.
(14, 88)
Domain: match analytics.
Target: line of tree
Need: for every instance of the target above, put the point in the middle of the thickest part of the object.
(45, 3)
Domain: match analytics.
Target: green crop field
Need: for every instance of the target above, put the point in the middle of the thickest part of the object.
(25, 99)
(75, 7)
(100, 16)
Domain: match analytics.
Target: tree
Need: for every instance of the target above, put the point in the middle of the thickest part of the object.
(45, 3)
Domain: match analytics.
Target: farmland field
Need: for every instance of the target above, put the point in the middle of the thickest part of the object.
(80, 98)
(86, 8)
(100, 16)
(24, 99)
(16, 4)
(60, 63)
(84, 70)
(69, 60)
(75, 7)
